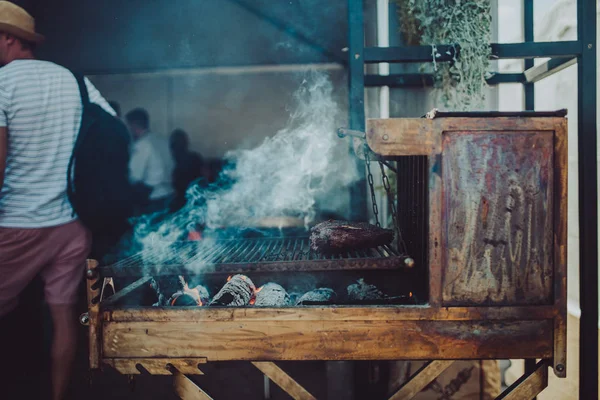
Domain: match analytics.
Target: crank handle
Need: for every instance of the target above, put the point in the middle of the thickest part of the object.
(343, 132)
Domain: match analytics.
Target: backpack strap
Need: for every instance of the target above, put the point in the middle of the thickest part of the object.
(85, 97)
(85, 101)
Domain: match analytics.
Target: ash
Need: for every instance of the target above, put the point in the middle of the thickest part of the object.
(272, 295)
(361, 291)
(317, 296)
(238, 292)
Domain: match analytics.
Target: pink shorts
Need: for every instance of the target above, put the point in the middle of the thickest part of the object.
(57, 253)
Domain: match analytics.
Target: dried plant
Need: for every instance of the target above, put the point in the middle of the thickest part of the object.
(466, 23)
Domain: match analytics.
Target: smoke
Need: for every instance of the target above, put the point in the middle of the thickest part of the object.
(283, 177)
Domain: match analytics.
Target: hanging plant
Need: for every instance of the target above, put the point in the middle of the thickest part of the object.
(466, 23)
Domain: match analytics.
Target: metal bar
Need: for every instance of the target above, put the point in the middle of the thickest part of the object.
(588, 200)
(530, 368)
(550, 67)
(288, 29)
(524, 50)
(421, 379)
(528, 33)
(126, 290)
(529, 385)
(356, 99)
(426, 80)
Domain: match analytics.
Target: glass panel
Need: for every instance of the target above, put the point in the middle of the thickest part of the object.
(510, 97)
(555, 20)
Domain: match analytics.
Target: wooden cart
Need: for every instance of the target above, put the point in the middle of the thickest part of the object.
(494, 268)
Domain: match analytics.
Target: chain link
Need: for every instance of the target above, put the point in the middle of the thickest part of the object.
(392, 204)
(371, 185)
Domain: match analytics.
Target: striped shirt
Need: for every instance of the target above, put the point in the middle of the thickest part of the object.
(41, 107)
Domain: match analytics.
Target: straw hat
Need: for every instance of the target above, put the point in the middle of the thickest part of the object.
(16, 21)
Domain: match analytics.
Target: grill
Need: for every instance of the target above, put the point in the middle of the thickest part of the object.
(251, 255)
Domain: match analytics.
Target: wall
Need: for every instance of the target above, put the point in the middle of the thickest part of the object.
(222, 109)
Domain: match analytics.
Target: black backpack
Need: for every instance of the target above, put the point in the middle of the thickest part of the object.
(98, 184)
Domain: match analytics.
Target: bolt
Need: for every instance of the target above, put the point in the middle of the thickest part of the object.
(409, 262)
(560, 367)
(91, 274)
(386, 137)
(84, 319)
(356, 56)
(589, 46)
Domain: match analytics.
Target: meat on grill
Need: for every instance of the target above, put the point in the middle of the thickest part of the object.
(332, 236)
(317, 296)
(362, 291)
(237, 292)
(271, 295)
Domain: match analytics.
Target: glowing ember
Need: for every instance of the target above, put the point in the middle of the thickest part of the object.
(410, 294)
(258, 290)
(229, 278)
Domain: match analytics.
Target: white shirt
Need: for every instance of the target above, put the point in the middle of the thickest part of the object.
(41, 107)
(152, 164)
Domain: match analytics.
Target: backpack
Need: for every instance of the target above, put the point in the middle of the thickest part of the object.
(98, 184)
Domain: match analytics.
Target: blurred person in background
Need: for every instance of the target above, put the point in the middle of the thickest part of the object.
(189, 166)
(151, 165)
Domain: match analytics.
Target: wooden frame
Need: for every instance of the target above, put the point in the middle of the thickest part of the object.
(439, 330)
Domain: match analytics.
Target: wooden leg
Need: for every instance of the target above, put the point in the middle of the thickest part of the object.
(529, 385)
(283, 380)
(421, 379)
(186, 389)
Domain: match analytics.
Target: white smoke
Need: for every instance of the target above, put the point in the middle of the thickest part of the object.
(284, 176)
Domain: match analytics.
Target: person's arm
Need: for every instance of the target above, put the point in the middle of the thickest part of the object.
(3, 151)
(96, 97)
(138, 162)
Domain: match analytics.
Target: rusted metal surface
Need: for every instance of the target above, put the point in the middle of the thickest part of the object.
(498, 218)
(529, 385)
(252, 255)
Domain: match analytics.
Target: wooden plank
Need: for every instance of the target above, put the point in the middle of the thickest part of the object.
(95, 336)
(421, 379)
(156, 366)
(435, 230)
(329, 340)
(186, 389)
(403, 137)
(421, 136)
(498, 218)
(529, 385)
(126, 291)
(560, 247)
(403, 313)
(283, 380)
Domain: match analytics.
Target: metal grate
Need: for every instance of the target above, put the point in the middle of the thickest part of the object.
(250, 255)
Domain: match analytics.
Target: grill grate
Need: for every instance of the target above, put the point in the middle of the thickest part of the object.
(250, 255)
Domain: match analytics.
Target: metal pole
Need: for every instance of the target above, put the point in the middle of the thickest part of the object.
(356, 100)
(528, 30)
(588, 200)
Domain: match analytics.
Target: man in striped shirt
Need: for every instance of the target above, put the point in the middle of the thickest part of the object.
(40, 115)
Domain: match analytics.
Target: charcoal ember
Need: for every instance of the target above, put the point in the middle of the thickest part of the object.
(361, 291)
(317, 296)
(333, 236)
(237, 292)
(271, 295)
(162, 301)
(182, 299)
(167, 285)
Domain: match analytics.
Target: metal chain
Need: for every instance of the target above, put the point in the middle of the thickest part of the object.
(371, 185)
(392, 203)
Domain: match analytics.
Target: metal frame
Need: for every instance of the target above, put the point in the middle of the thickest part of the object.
(584, 50)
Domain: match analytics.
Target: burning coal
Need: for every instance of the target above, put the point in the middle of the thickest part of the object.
(284, 176)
